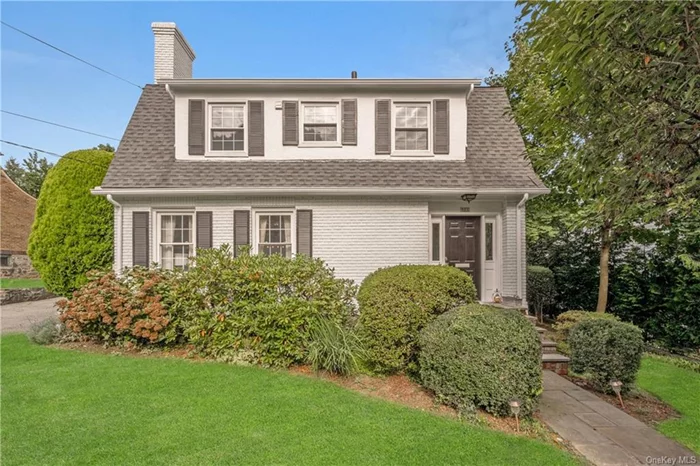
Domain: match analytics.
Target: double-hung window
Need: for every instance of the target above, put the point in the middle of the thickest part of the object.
(411, 127)
(176, 240)
(227, 132)
(320, 123)
(275, 234)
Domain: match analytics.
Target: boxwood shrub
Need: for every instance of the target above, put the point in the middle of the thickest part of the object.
(481, 356)
(567, 320)
(397, 302)
(605, 350)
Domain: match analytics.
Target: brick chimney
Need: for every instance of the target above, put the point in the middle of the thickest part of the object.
(173, 56)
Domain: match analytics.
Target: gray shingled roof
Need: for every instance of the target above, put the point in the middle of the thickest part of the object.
(146, 157)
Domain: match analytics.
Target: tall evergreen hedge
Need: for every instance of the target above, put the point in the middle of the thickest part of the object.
(73, 229)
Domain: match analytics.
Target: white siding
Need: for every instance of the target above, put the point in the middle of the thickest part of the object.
(353, 235)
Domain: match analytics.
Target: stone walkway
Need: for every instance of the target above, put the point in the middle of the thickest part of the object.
(19, 316)
(602, 433)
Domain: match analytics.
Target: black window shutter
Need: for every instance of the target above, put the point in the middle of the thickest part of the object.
(441, 126)
(305, 232)
(349, 123)
(139, 229)
(241, 230)
(256, 128)
(290, 123)
(195, 127)
(382, 126)
(204, 230)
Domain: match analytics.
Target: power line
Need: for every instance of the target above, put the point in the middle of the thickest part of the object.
(70, 54)
(50, 153)
(59, 125)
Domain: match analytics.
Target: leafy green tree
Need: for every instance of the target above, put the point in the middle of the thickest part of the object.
(606, 95)
(72, 231)
(105, 147)
(30, 174)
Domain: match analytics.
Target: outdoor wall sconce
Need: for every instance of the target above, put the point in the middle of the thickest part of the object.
(617, 388)
(515, 409)
(468, 197)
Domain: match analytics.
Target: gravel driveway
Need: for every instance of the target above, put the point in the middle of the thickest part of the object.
(17, 317)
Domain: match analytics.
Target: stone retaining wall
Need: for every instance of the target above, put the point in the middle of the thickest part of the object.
(20, 295)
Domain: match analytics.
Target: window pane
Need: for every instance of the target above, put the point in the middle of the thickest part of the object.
(436, 242)
(489, 241)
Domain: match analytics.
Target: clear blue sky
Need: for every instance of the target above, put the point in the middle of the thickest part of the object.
(231, 40)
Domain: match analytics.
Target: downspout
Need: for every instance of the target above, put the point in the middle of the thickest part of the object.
(117, 235)
(519, 247)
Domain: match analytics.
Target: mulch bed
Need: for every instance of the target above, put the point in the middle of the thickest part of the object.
(640, 405)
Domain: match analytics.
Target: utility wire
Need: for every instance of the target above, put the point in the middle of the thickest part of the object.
(50, 153)
(59, 125)
(69, 54)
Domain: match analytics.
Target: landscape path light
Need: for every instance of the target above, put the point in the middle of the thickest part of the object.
(515, 409)
(617, 388)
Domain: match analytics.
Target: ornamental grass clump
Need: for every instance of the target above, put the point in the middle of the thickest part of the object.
(479, 356)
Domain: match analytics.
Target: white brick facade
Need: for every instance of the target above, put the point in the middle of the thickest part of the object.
(173, 56)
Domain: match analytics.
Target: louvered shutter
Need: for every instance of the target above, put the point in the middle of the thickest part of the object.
(305, 232)
(441, 126)
(241, 230)
(290, 123)
(349, 123)
(139, 231)
(195, 127)
(382, 126)
(256, 128)
(204, 230)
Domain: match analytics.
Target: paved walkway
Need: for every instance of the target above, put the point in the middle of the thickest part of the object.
(19, 316)
(602, 433)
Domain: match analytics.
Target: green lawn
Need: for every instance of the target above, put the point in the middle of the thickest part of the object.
(11, 283)
(70, 407)
(681, 389)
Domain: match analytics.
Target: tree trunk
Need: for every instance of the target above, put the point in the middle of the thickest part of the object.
(604, 260)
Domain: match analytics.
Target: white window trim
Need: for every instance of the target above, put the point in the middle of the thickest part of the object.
(441, 255)
(494, 239)
(158, 214)
(256, 226)
(411, 153)
(337, 142)
(226, 153)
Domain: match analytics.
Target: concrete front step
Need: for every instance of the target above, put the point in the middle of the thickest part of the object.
(555, 362)
(548, 346)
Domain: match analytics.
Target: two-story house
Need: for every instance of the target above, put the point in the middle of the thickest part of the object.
(363, 173)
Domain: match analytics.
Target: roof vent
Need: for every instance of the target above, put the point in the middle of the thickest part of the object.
(353, 75)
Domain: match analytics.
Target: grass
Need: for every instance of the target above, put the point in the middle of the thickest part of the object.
(69, 407)
(13, 283)
(681, 389)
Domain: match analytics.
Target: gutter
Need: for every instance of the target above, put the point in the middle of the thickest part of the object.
(118, 234)
(232, 190)
(519, 247)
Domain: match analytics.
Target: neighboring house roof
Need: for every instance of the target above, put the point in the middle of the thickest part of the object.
(16, 216)
(494, 161)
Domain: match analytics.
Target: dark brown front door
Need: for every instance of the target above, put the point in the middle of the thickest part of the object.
(462, 246)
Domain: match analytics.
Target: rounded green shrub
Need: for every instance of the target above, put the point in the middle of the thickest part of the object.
(72, 231)
(567, 320)
(397, 302)
(480, 356)
(606, 350)
(540, 289)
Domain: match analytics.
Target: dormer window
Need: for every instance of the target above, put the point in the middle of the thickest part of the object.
(227, 127)
(320, 123)
(411, 127)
